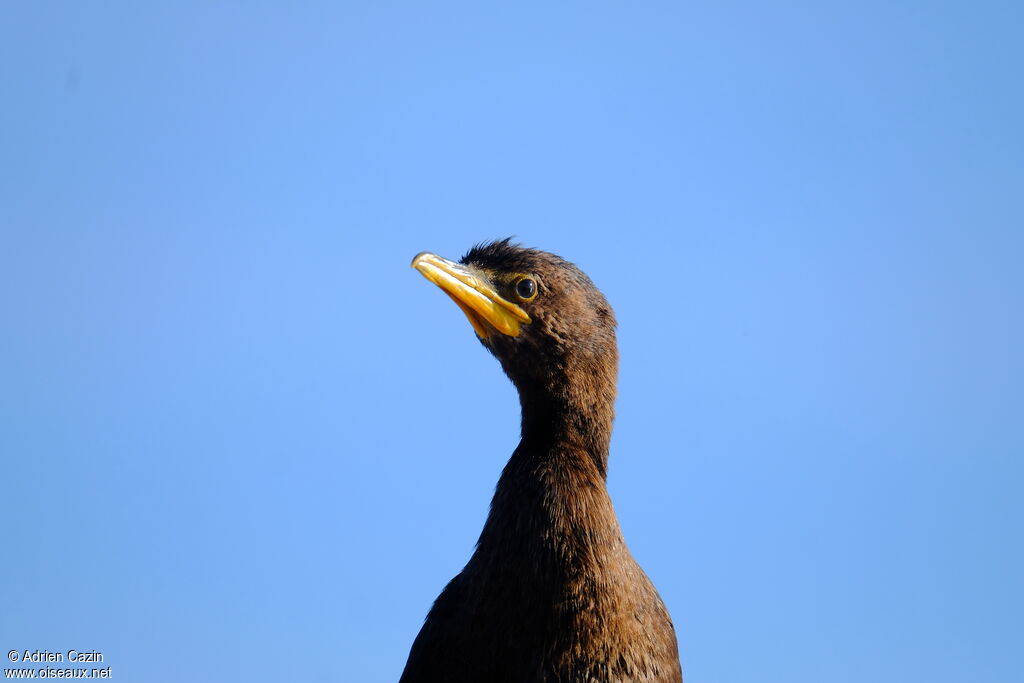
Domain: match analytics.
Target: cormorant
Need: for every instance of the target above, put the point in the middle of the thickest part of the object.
(551, 592)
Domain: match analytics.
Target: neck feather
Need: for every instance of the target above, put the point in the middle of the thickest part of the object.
(551, 500)
(567, 412)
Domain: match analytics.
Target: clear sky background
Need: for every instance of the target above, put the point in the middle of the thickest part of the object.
(242, 440)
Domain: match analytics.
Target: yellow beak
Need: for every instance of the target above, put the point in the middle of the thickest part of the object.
(486, 309)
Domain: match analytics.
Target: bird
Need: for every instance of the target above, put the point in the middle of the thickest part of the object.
(551, 593)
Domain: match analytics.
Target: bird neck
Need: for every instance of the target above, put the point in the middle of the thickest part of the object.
(568, 412)
(551, 503)
(551, 499)
(552, 430)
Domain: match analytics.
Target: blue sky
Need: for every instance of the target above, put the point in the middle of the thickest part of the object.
(242, 440)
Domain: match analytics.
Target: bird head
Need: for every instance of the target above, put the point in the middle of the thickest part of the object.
(539, 314)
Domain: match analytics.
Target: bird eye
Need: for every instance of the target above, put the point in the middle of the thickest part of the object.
(526, 289)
